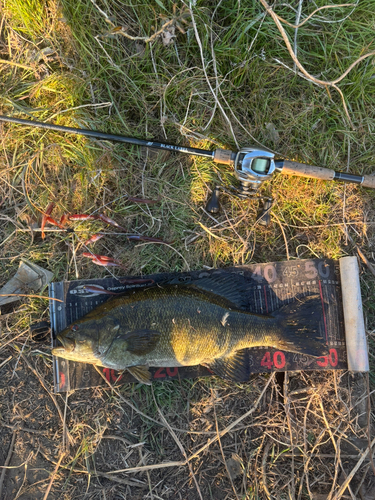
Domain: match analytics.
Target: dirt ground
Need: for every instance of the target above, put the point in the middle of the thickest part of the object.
(295, 436)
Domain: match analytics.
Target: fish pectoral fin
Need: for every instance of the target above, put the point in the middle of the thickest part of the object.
(140, 342)
(235, 367)
(141, 373)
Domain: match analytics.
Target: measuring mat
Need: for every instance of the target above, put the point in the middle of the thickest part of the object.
(267, 287)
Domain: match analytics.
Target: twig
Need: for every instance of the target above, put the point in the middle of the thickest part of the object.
(197, 37)
(12, 339)
(17, 65)
(178, 442)
(186, 431)
(214, 65)
(74, 258)
(287, 412)
(146, 39)
(18, 359)
(317, 226)
(243, 241)
(256, 461)
(125, 441)
(363, 257)
(304, 71)
(167, 245)
(24, 429)
(233, 424)
(296, 26)
(144, 468)
(65, 444)
(364, 475)
(115, 479)
(221, 447)
(139, 411)
(323, 455)
(28, 295)
(353, 471)
(50, 395)
(298, 17)
(337, 450)
(5, 361)
(239, 122)
(371, 268)
(147, 473)
(210, 233)
(6, 463)
(107, 475)
(53, 476)
(264, 462)
(369, 421)
(305, 450)
(326, 422)
(284, 236)
(121, 30)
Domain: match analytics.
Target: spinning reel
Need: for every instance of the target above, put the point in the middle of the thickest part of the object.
(252, 167)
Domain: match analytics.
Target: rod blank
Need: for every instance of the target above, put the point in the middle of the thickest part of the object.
(97, 134)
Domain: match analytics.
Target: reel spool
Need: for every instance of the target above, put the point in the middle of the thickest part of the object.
(252, 167)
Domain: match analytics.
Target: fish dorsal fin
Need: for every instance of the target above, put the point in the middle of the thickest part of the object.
(139, 342)
(228, 286)
(235, 367)
(141, 373)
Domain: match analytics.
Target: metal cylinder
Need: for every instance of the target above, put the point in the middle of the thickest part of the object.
(355, 334)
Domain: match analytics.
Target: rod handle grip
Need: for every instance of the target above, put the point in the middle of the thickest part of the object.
(303, 170)
(224, 156)
(368, 181)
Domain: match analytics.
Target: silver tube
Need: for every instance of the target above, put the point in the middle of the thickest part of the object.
(355, 334)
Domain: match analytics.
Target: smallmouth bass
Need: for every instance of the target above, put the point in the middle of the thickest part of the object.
(200, 323)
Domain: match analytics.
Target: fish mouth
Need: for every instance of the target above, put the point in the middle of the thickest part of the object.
(68, 344)
(59, 351)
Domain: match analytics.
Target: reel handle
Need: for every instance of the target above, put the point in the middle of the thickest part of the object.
(264, 217)
(213, 203)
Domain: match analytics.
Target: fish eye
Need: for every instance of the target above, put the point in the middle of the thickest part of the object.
(74, 328)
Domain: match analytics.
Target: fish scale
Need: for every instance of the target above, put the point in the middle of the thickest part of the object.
(192, 330)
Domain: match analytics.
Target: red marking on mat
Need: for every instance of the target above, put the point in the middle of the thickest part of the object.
(279, 359)
(62, 380)
(324, 314)
(107, 374)
(114, 376)
(160, 373)
(333, 358)
(322, 361)
(172, 372)
(266, 361)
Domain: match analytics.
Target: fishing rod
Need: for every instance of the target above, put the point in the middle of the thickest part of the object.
(252, 166)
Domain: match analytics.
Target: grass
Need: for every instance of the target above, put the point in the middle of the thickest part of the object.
(225, 81)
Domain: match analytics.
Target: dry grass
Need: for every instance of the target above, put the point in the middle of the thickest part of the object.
(225, 80)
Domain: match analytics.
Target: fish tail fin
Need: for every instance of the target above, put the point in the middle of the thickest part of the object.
(301, 325)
